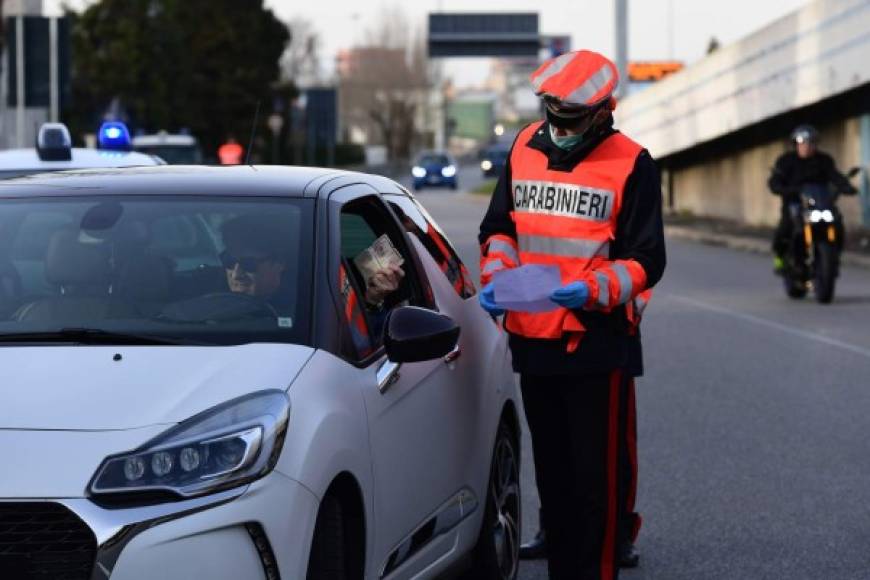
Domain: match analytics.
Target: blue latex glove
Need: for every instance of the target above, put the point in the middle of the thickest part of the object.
(487, 300)
(574, 295)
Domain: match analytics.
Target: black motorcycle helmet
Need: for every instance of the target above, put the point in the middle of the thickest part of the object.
(805, 134)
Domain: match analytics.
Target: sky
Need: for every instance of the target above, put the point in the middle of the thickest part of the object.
(658, 29)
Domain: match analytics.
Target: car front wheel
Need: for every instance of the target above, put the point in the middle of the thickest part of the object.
(496, 555)
(327, 558)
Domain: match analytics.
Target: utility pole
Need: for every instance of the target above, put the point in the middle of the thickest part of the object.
(621, 22)
(19, 80)
(53, 71)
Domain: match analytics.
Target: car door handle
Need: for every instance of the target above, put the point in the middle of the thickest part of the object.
(388, 374)
(453, 355)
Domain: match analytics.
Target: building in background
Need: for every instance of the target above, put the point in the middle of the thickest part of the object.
(35, 51)
(717, 126)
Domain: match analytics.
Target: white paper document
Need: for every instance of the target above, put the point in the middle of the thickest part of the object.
(527, 288)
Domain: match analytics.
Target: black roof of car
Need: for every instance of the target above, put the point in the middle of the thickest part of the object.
(269, 180)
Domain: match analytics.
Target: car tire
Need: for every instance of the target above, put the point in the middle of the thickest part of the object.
(326, 560)
(496, 554)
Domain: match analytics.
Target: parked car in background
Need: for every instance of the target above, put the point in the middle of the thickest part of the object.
(54, 152)
(195, 384)
(434, 169)
(175, 149)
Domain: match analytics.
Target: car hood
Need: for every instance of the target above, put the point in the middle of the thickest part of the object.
(85, 388)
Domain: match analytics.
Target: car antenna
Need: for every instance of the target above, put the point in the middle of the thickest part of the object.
(253, 132)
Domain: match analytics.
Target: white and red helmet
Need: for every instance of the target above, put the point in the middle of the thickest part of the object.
(575, 83)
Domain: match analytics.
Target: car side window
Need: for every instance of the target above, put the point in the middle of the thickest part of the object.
(418, 222)
(371, 287)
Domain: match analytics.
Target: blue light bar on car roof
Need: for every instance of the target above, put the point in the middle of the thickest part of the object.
(114, 136)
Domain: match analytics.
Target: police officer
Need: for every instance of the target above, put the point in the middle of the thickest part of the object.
(805, 165)
(577, 194)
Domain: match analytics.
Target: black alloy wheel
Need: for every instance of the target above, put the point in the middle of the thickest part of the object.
(497, 553)
(327, 558)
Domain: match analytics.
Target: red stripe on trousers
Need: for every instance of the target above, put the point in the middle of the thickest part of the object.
(631, 437)
(608, 558)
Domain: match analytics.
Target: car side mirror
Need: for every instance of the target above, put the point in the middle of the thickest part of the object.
(853, 172)
(413, 334)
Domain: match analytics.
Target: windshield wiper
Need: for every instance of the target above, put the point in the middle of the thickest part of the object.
(96, 336)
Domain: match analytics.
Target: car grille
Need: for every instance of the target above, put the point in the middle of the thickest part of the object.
(41, 540)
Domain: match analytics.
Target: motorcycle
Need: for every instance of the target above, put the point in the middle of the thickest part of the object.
(813, 260)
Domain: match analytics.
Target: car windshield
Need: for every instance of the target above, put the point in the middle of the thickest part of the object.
(434, 160)
(497, 154)
(200, 269)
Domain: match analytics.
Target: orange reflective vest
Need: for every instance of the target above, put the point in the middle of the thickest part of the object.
(353, 314)
(230, 154)
(568, 219)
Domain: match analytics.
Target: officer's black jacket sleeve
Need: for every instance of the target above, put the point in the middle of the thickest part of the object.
(498, 217)
(837, 179)
(639, 229)
(779, 178)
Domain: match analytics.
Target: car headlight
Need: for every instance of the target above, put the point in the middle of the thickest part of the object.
(486, 164)
(448, 171)
(226, 446)
(417, 171)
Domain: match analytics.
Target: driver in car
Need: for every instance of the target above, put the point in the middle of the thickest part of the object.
(253, 259)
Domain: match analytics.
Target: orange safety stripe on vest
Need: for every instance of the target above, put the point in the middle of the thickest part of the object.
(498, 253)
(448, 265)
(353, 314)
(635, 308)
(568, 219)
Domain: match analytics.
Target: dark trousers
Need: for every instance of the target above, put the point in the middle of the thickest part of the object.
(579, 438)
(629, 520)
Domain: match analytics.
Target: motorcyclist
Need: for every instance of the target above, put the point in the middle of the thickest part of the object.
(805, 165)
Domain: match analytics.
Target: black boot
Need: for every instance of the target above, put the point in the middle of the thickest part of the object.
(627, 556)
(537, 548)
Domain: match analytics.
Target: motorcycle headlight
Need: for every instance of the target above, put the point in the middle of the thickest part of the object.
(827, 215)
(418, 171)
(227, 446)
(815, 216)
(486, 164)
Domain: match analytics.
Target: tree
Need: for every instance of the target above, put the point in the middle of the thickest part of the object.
(301, 60)
(384, 83)
(713, 45)
(171, 64)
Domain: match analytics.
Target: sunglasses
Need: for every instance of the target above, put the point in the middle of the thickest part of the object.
(247, 263)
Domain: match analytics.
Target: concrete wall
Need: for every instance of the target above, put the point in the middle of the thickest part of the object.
(735, 186)
(805, 57)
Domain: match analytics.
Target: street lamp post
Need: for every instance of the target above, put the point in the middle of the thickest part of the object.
(621, 21)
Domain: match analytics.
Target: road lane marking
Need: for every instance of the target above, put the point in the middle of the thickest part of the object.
(774, 325)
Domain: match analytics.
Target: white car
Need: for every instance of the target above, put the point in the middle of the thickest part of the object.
(54, 152)
(175, 149)
(195, 385)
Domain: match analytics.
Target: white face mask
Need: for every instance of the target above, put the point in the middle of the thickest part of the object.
(565, 142)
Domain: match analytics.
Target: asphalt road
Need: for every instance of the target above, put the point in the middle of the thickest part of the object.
(753, 419)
